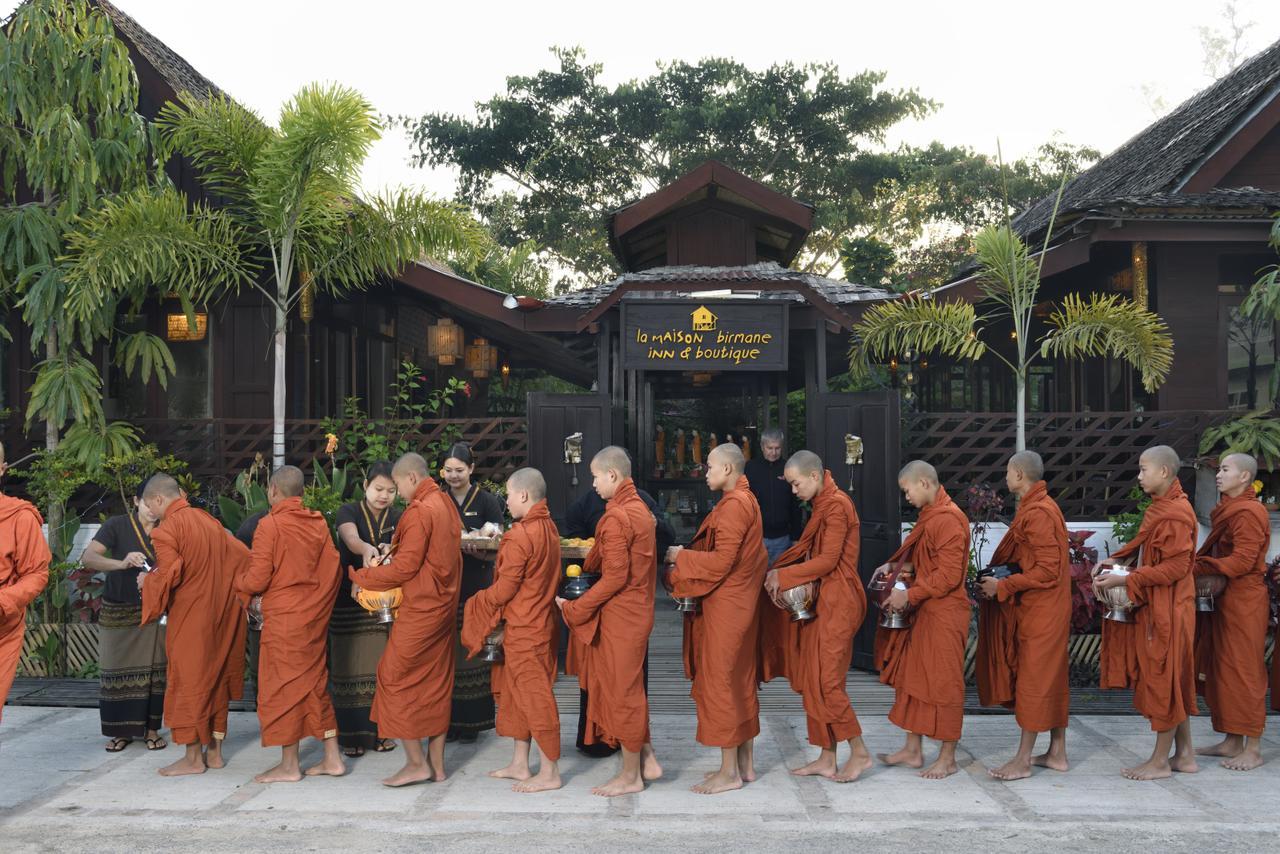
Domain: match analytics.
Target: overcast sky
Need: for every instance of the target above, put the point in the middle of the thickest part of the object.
(1009, 69)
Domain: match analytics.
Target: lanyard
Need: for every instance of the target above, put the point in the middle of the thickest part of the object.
(142, 538)
(375, 533)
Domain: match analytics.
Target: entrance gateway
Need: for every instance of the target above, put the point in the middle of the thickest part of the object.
(708, 337)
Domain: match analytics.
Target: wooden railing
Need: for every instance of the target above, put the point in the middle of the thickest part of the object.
(218, 449)
(1091, 458)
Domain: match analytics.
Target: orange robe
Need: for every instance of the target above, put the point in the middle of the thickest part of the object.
(827, 552)
(1153, 655)
(925, 662)
(612, 622)
(1231, 641)
(197, 561)
(24, 572)
(725, 565)
(523, 594)
(1040, 602)
(415, 675)
(295, 569)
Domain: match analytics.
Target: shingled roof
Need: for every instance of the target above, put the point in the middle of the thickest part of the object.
(834, 291)
(176, 71)
(1150, 168)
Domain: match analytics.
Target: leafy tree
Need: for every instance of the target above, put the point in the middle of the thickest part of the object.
(289, 205)
(72, 146)
(1097, 325)
(549, 158)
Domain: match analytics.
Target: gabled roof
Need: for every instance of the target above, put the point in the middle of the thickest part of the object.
(1164, 158)
(175, 71)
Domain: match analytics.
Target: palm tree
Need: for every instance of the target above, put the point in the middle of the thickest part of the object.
(1009, 279)
(289, 205)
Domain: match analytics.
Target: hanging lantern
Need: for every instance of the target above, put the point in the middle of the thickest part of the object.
(506, 375)
(307, 297)
(444, 341)
(482, 358)
(177, 328)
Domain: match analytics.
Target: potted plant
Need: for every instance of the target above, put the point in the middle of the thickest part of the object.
(1256, 434)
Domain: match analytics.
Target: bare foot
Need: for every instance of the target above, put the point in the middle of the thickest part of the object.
(747, 762)
(940, 769)
(620, 785)
(1149, 770)
(1245, 761)
(214, 757)
(327, 768)
(717, 783)
(278, 774)
(909, 758)
(1227, 747)
(1049, 760)
(853, 769)
(538, 783)
(410, 775)
(1184, 764)
(820, 767)
(512, 772)
(183, 767)
(1014, 769)
(650, 768)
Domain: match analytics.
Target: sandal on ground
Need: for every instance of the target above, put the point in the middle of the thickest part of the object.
(116, 745)
(157, 743)
(385, 745)
(353, 752)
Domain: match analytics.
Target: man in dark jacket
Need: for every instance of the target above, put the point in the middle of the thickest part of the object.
(779, 510)
(580, 521)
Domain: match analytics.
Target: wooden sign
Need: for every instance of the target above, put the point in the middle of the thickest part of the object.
(693, 335)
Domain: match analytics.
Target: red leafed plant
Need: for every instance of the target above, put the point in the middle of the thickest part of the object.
(88, 586)
(1084, 606)
(1273, 587)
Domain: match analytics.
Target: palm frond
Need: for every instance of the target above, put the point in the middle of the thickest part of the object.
(66, 387)
(1008, 274)
(91, 444)
(149, 354)
(149, 238)
(914, 323)
(1110, 325)
(223, 140)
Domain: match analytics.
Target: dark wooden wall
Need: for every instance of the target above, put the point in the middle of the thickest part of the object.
(1260, 167)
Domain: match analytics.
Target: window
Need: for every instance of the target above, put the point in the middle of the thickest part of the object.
(1251, 357)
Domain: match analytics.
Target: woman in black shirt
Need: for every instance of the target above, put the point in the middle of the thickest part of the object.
(131, 656)
(356, 638)
(473, 710)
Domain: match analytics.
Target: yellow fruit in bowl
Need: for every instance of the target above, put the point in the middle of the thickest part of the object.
(573, 570)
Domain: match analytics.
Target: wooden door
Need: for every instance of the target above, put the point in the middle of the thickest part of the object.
(552, 418)
(873, 484)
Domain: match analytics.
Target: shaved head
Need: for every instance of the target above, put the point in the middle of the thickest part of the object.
(1244, 462)
(1029, 463)
(918, 470)
(288, 481)
(1162, 456)
(528, 480)
(161, 486)
(613, 458)
(727, 454)
(410, 464)
(804, 462)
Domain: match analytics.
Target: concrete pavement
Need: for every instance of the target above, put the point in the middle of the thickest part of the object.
(60, 791)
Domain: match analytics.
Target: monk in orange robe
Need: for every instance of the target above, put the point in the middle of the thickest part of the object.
(1231, 640)
(724, 566)
(1154, 655)
(197, 561)
(925, 662)
(24, 572)
(521, 600)
(294, 569)
(1039, 598)
(826, 553)
(613, 620)
(413, 699)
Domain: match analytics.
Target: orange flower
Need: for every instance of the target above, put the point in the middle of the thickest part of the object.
(332, 444)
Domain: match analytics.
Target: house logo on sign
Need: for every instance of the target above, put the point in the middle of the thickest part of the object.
(703, 320)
